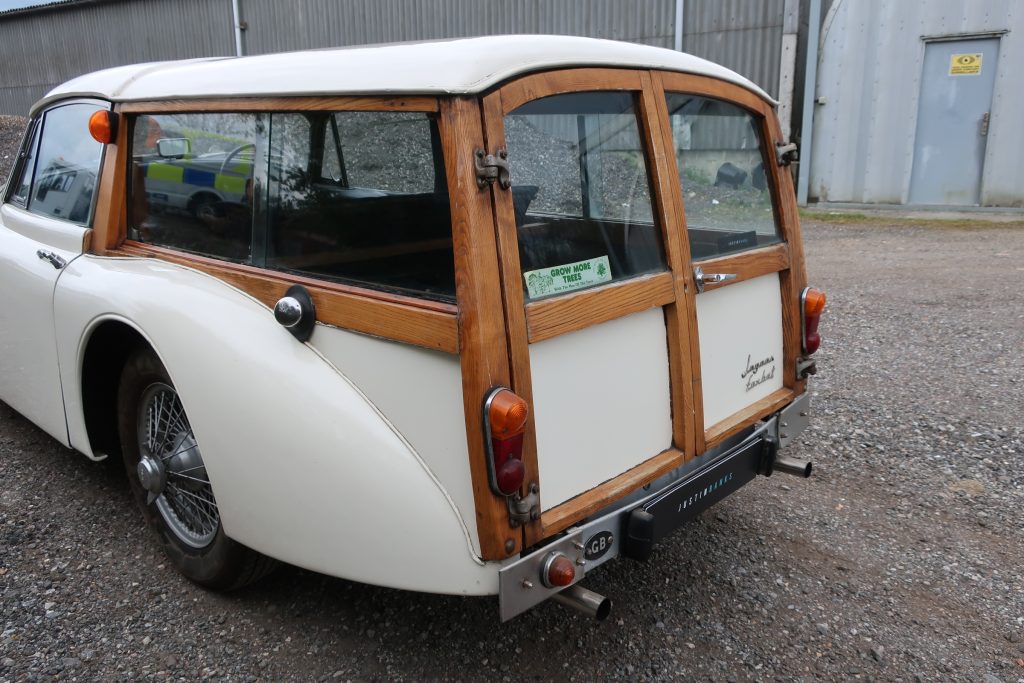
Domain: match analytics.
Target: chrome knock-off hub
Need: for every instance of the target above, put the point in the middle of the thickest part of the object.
(152, 476)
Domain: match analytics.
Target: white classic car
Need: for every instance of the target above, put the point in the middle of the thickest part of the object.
(467, 317)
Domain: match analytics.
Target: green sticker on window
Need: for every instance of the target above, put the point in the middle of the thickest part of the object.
(567, 278)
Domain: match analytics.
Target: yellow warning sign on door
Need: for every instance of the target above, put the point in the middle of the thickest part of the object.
(965, 65)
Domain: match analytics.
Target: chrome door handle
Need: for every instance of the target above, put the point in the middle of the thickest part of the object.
(702, 279)
(296, 312)
(984, 124)
(288, 311)
(56, 261)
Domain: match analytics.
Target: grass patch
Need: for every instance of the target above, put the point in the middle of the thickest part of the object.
(995, 221)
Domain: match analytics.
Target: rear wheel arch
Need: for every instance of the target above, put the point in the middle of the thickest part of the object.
(106, 350)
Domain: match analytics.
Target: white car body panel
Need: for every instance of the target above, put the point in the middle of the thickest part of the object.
(420, 392)
(601, 403)
(737, 325)
(60, 236)
(29, 376)
(305, 468)
(461, 66)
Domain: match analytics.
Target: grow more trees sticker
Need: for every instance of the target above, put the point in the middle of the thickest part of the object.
(566, 278)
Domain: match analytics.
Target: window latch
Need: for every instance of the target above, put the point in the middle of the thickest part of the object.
(786, 153)
(491, 167)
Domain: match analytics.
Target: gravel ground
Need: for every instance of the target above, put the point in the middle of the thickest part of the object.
(11, 130)
(898, 560)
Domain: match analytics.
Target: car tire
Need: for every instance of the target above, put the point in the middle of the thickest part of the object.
(168, 480)
(203, 208)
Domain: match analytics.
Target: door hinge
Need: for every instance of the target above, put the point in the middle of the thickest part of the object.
(786, 153)
(491, 167)
(805, 366)
(524, 510)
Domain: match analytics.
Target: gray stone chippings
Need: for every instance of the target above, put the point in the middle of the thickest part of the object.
(877, 566)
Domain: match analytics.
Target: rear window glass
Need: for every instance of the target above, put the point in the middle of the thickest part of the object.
(581, 192)
(361, 197)
(721, 168)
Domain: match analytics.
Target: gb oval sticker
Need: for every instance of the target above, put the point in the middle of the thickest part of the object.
(597, 545)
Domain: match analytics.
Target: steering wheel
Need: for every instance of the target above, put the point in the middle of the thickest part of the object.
(234, 153)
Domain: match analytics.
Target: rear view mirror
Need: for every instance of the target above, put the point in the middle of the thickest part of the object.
(173, 148)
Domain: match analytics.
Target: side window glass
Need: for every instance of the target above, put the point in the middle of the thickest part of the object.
(386, 150)
(68, 161)
(721, 168)
(192, 182)
(581, 193)
(21, 179)
(370, 208)
(331, 169)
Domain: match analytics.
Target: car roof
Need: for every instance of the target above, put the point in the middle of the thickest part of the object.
(459, 66)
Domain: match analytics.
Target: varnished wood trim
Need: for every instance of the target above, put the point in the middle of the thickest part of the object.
(562, 516)
(507, 239)
(680, 321)
(794, 278)
(774, 401)
(533, 87)
(684, 269)
(692, 84)
(429, 324)
(485, 361)
(747, 265)
(109, 216)
(229, 104)
(572, 312)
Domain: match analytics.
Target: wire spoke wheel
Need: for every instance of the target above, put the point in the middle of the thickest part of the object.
(175, 476)
(169, 481)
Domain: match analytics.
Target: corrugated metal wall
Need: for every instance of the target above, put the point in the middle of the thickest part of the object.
(742, 35)
(869, 75)
(324, 23)
(43, 48)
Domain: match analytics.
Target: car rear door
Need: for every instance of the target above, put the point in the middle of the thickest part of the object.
(742, 233)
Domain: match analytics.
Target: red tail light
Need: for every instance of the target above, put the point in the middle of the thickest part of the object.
(505, 420)
(557, 571)
(812, 303)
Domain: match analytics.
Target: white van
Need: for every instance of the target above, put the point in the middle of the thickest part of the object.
(468, 317)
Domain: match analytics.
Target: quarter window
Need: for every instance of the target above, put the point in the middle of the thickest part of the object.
(719, 154)
(22, 183)
(58, 174)
(581, 193)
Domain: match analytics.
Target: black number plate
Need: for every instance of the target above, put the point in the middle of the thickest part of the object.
(657, 518)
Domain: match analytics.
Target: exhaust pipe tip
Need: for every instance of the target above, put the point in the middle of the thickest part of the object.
(798, 468)
(588, 602)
